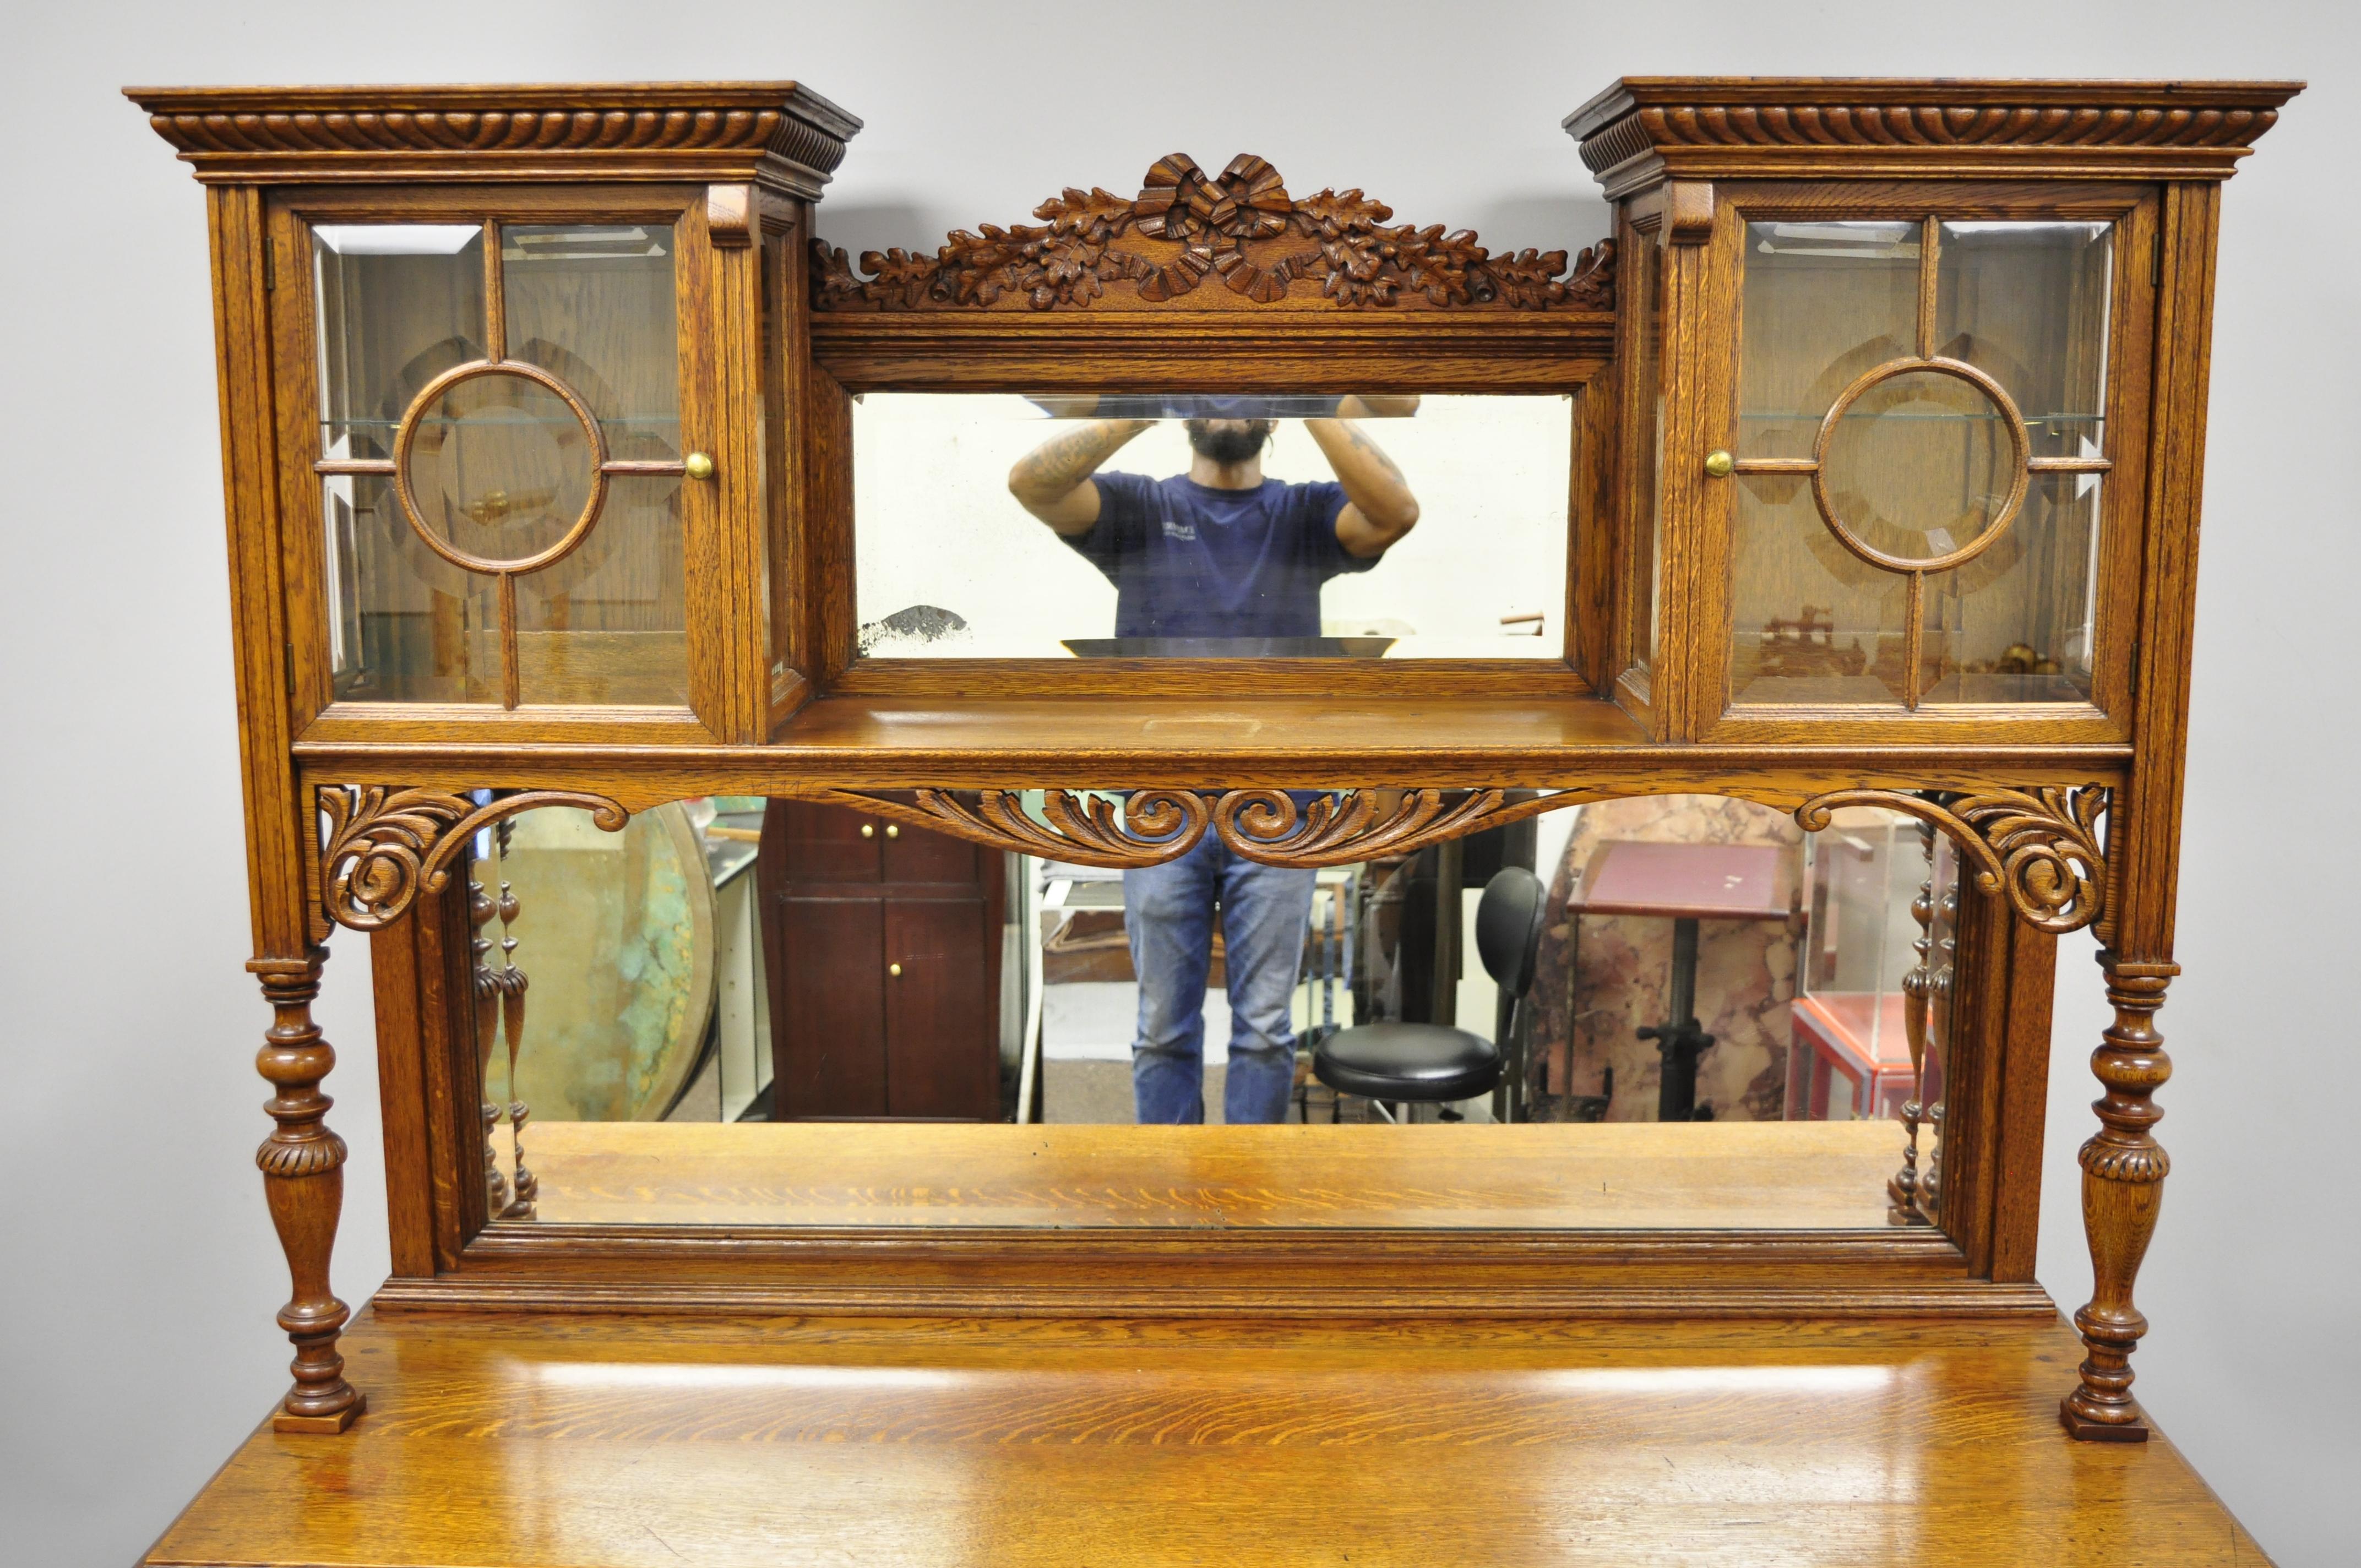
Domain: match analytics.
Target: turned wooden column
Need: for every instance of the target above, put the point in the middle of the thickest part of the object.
(304, 1176)
(2123, 1186)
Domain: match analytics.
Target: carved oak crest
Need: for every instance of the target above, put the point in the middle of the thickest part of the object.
(382, 844)
(1186, 226)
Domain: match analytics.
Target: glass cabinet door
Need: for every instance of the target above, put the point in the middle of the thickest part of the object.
(1921, 449)
(500, 463)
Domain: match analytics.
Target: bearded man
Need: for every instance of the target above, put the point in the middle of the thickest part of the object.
(1219, 553)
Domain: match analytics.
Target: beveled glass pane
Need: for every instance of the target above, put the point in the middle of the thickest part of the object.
(1149, 525)
(2015, 623)
(607, 624)
(500, 467)
(1920, 466)
(594, 304)
(399, 304)
(1824, 302)
(405, 625)
(2028, 305)
(1812, 623)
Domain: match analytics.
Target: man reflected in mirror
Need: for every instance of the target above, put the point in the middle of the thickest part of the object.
(1219, 551)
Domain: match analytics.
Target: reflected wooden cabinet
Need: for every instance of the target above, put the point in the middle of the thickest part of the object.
(882, 948)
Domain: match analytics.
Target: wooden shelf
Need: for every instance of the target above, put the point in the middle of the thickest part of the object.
(1254, 740)
(579, 1442)
(1248, 730)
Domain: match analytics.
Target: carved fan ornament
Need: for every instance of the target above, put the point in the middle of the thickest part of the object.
(1239, 224)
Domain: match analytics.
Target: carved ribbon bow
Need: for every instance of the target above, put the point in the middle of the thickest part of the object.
(1212, 218)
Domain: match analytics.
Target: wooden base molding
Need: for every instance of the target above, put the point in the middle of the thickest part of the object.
(323, 1426)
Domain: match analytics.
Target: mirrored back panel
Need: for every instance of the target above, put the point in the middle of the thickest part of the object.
(1661, 1011)
(1318, 526)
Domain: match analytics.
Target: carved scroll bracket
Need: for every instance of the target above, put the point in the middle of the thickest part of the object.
(2039, 847)
(383, 844)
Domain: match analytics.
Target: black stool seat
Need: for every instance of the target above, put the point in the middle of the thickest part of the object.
(1408, 1061)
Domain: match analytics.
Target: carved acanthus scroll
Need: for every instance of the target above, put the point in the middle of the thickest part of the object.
(1266, 825)
(1186, 226)
(383, 844)
(2037, 846)
(1157, 825)
(1082, 829)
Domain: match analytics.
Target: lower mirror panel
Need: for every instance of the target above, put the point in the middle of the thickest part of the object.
(1656, 1013)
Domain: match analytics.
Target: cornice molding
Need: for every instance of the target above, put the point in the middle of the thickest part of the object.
(778, 130)
(1645, 128)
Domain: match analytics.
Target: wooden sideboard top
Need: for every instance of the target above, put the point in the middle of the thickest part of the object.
(658, 1440)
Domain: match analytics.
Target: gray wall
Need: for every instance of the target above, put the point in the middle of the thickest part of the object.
(139, 1269)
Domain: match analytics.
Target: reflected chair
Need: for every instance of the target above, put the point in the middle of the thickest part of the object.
(1403, 1064)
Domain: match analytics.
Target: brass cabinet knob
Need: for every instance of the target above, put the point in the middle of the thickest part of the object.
(698, 465)
(1720, 465)
(894, 969)
(867, 831)
(892, 831)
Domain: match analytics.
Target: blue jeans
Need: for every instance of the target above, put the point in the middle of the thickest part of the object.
(1169, 918)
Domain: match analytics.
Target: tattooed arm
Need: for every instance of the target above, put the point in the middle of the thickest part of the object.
(1379, 508)
(1053, 481)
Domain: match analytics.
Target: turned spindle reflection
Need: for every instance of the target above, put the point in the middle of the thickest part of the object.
(513, 989)
(480, 910)
(1940, 984)
(1902, 1191)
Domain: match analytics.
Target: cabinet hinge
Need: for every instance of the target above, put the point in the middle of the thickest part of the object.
(270, 267)
(2155, 262)
(289, 650)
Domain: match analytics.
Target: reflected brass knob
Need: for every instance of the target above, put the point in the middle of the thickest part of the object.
(1718, 465)
(892, 831)
(698, 465)
(894, 969)
(867, 831)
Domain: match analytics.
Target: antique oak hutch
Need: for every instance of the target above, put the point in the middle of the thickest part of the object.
(1886, 404)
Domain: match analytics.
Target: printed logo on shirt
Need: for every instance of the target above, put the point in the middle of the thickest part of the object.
(1184, 531)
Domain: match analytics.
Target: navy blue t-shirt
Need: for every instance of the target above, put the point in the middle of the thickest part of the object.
(1190, 561)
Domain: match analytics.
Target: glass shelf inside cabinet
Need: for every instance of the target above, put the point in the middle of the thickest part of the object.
(1921, 448)
(500, 463)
